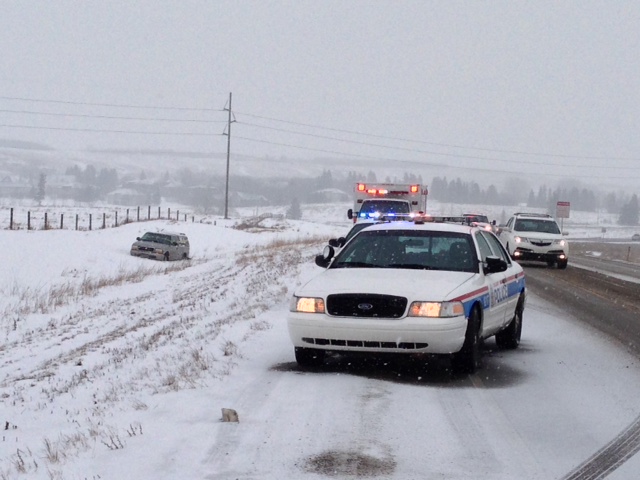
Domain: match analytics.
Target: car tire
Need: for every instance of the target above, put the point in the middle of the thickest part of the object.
(309, 357)
(467, 360)
(509, 338)
(562, 264)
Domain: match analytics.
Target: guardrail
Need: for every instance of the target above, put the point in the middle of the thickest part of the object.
(83, 218)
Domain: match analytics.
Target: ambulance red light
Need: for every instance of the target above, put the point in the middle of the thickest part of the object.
(383, 192)
(415, 188)
(372, 191)
(361, 187)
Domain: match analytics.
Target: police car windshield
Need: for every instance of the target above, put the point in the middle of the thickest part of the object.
(409, 249)
(356, 228)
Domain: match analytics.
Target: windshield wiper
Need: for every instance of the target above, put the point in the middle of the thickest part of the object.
(353, 265)
(411, 266)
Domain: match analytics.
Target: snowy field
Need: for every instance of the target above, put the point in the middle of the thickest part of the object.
(117, 367)
(580, 225)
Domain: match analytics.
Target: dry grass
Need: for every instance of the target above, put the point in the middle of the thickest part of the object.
(622, 251)
(42, 300)
(160, 347)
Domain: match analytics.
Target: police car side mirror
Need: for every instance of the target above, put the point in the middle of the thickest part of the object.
(334, 242)
(325, 259)
(349, 214)
(494, 265)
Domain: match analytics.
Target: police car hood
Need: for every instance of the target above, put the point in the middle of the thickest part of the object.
(413, 284)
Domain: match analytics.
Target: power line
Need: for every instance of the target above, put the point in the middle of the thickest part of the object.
(447, 145)
(96, 130)
(111, 117)
(116, 105)
(424, 164)
(414, 150)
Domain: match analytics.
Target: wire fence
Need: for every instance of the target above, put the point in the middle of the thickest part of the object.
(89, 218)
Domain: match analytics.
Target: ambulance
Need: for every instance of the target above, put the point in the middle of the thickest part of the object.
(373, 201)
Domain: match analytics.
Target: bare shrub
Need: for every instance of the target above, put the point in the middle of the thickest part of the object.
(139, 405)
(200, 360)
(134, 429)
(51, 451)
(229, 349)
(112, 442)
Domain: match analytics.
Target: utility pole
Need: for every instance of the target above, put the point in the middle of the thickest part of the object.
(226, 194)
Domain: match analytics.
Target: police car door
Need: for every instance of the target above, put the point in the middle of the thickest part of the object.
(495, 312)
(512, 294)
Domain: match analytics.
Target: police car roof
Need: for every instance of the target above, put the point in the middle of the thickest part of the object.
(426, 226)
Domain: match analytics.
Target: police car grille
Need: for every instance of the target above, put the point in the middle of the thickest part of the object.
(366, 305)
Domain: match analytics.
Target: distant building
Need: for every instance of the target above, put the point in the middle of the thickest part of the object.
(14, 187)
(127, 196)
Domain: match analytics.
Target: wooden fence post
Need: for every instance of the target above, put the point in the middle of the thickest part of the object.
(28, 220)
(11, 219)
(61, 221)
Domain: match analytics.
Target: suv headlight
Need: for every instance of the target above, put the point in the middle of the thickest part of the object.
(520, 239)
(436, 309)
(306, 305)
(562, 242)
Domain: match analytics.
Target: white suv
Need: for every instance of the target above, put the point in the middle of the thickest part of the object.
(533, 236)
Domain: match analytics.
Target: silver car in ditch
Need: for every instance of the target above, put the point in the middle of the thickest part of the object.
(161, 246)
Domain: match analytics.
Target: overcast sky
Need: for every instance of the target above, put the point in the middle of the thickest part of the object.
(515, 86)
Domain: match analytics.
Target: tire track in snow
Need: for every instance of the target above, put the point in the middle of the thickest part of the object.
(610, 457)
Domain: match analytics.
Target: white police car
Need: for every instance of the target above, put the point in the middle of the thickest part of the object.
(410, 288)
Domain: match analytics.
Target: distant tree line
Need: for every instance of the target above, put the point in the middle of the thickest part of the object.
(582, 199)
(207, 192)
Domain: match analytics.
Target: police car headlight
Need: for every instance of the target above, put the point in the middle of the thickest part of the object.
(436, 309)
(307, 305)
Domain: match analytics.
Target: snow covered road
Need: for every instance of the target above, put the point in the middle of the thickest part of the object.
(127, 380)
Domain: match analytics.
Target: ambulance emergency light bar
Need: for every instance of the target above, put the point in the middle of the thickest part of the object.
(362, 187)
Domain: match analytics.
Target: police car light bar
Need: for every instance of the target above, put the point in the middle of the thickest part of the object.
(443, 219)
